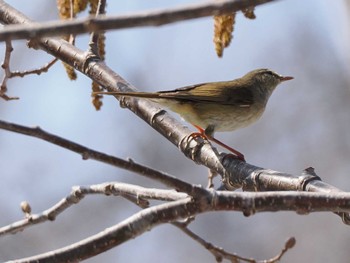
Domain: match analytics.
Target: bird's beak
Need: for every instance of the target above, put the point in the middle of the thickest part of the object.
(286, 78)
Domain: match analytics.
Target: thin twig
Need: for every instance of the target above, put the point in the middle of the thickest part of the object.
(6, 66)
(129, 228)
(218, 252)
(290, 243)
(11, 74)
(87, 153)
(133, 193)
(37, 71)
(145, 18)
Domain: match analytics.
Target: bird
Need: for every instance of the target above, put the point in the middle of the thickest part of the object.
(218, 106)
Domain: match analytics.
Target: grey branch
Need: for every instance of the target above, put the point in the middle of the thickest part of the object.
(103, 23)
(87, 153)
(220, 254)
(136, 194)
(208, 200)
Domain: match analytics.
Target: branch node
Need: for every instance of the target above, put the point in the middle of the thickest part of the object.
(157, 114)
(290, 243)
(85, 155)
(26, 209)
(191, 147)
(108, 189)
(308, 176)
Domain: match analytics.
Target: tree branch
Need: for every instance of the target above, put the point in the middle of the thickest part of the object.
(208, 200)
(138, 194)
(102, 23)
(220, 254)
(87, 153)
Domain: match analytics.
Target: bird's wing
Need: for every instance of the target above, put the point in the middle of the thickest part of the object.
(212, 93)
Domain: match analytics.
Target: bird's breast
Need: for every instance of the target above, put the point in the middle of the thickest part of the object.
(222, 117)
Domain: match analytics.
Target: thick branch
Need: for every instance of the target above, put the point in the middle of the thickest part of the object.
(102, 23)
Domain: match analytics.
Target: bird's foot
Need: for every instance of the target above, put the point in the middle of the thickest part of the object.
(235, 154)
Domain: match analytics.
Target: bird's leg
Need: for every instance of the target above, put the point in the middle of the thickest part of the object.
(207, 135)
(236, 153)
(201, 133)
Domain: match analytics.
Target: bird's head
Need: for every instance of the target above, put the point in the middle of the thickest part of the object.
(265, 79)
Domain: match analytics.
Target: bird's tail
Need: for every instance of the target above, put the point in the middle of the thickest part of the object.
(148, 95)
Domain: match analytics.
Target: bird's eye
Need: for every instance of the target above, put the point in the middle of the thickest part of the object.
(271, 74)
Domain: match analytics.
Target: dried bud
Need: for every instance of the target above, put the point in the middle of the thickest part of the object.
(223, 29)
(290, 243)
(93, 6)
(249, 12)
(101, 45)
(26, 208)
(96, 99)
(64, 10)
(79, 6)
(72, 75)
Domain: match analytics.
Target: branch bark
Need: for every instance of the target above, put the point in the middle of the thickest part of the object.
(142, 19)
(209, 200)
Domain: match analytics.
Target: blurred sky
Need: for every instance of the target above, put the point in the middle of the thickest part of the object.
(305, 124)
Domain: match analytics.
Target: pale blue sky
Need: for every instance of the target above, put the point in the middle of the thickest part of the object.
(306, 124)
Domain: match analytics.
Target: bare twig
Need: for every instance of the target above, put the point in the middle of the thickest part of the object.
(6, 66)
(135, 194)
(145, 18)
(11, 74)
(220, 254)
(216, 251)
(37, 71)
(87, 153)
(290, 243)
